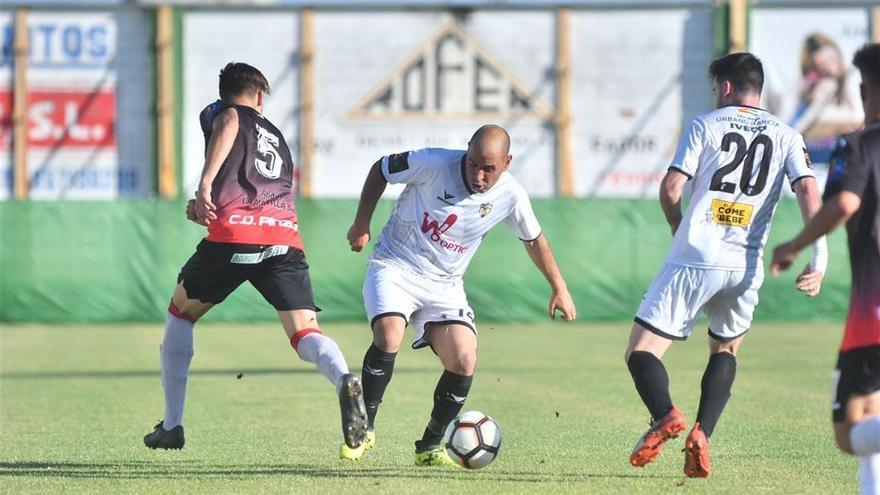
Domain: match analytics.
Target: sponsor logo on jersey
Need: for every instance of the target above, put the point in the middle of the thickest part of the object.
(757, 129)
(437, 232)
(450, 74)
(262, 221)
(485, 208)
(731, 213)
(446, 197)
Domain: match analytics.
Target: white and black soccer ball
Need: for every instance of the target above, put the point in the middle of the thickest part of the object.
(472, 440)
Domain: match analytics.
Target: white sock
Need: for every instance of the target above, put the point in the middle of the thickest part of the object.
(323, 351)
(177, 353)
(864, 437)
(869, 474)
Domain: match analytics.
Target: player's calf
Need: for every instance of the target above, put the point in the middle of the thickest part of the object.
(449, 397)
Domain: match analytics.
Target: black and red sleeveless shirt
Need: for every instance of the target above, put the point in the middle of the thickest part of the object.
(253, 190)
(854, 167)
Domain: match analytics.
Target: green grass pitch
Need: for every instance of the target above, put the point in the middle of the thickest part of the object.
(75, 402)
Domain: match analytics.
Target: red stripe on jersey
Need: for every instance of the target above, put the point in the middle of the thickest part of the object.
(862, 327)
(264, 226)
(294, 340)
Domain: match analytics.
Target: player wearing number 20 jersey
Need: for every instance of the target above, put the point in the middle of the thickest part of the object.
(738, 158)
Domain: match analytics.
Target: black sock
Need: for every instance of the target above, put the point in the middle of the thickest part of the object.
(375, 376)
(716, 385)
(449, 396)
(651, 381)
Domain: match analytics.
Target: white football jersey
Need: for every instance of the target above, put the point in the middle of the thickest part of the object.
(738, 158)
(438, 223)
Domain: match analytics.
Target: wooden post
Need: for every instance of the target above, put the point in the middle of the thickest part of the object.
(306, 101)
(165, 104)
(739, 25)
(565, 171)
(21, 182)
(875, 25)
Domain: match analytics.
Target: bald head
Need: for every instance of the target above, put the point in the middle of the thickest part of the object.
(488, 156)
(491, 139)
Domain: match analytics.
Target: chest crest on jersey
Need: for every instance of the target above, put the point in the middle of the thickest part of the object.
(485, 208)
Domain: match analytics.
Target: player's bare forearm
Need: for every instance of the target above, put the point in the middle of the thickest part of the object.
(359, 233)
(225, 130)
(373, 188)
(830, 216)
(542, 256)
(834, 212)
(671, 188)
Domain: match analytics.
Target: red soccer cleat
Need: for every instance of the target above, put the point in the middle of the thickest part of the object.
(651, 444)
(696, 454)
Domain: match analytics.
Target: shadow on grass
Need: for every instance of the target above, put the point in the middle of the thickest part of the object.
(114, 374)
(53, 375)
(197, 470)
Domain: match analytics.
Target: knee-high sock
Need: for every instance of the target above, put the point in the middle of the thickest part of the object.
(176, 352)
(717, 382)
(652, 382)
(449, 396)
(314, 347)
(375, 376)
(869, 474)
(864, 437)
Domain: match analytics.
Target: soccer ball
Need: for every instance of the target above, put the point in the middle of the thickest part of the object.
(472, 440)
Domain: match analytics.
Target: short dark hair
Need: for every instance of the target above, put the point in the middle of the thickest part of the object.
(743, 70)
(238, 78)
(867, 60)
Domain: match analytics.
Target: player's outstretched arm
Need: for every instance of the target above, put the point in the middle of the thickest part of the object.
(359, 232)
(541, 254)
(810, 280)
(671, 188)
(831, 215)
(224, 131)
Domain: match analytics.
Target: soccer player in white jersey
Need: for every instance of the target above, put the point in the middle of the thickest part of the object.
(739, 157)
(451, 200)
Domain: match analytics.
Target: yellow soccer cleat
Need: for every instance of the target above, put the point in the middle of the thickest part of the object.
(436, 456)
(348, 453)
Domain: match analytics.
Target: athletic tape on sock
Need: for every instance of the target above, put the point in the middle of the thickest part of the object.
(294, 340)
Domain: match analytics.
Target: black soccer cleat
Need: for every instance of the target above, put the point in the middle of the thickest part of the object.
(162, 439)
(353, 410)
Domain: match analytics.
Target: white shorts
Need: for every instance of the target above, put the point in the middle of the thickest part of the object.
(389, 290)
(679, 293)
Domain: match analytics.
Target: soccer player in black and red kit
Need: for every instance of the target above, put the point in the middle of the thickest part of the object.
(245, 198)
(851, 195)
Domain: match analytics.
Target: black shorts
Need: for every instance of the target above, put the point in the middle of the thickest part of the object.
(857, 373)
(218, 268)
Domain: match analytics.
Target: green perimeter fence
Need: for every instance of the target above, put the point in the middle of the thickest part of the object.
(75, 262)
